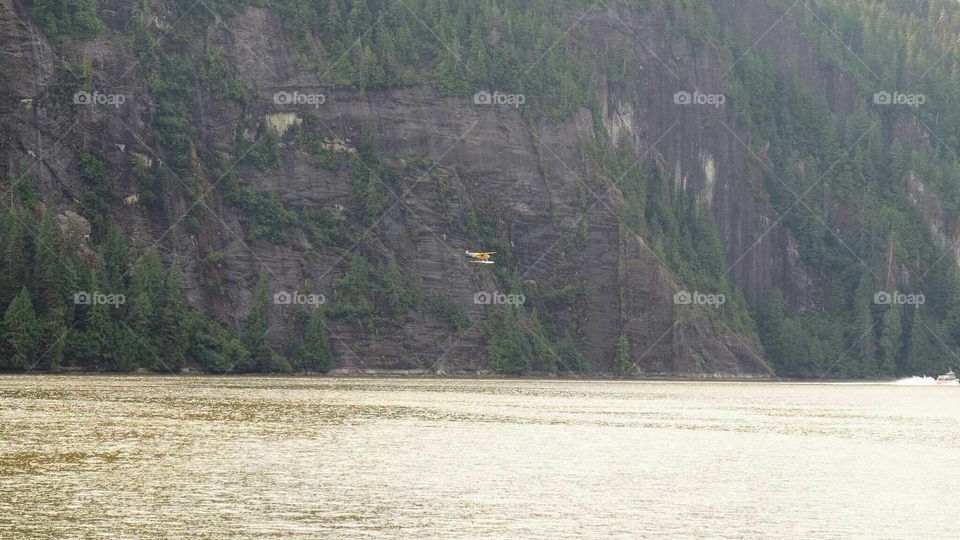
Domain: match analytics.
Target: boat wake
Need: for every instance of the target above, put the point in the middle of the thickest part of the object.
(923, 381)
(915, 381)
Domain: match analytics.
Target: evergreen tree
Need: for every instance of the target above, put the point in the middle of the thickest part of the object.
(233, 351)
(148, 278)
(541, 357)
(360, 20)
(398, 295)
(507, 346)
(770, 326)
(479, 55)
(53, 338)
(217, 350)
(924, 354)
(96, 338)
(14, 254)
(126, 344)
(796, 356)
(890, 344)
(174, 322)
(313, 352)
(20, 332)
(53, 274)
(50, 267)
(143, 320)
(622, 364)
(257, 326)
(864, 339)
(116, 262)
(452, 77)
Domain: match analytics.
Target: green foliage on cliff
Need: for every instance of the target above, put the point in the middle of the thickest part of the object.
(313, 353)
(322, 153)
(73, 307)
(451, 313)
(20, 331)
(73, 18)
(564, 296)
(368, 294)
(510, 346)
(257, 328)
(843, 181)
(263, 152)
(622, 365)
(677, 224)
(458, 47)
(114, 308)
(518, 342)
(841, 175)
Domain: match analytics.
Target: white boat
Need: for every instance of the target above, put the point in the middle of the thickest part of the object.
(948, 378)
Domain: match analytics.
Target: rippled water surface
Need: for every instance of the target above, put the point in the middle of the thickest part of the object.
(272, 457)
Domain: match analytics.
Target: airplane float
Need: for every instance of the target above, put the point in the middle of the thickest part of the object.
(480, 257)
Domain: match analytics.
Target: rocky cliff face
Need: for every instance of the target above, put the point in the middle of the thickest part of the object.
(449, 154)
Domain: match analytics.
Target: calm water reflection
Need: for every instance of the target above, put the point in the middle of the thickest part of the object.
(270, 457)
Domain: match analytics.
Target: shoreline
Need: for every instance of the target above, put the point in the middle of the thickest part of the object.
(411, 374)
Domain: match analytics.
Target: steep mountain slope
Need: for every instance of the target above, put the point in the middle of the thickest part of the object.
(617, 157)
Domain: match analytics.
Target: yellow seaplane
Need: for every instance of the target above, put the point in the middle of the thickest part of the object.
(481, 257)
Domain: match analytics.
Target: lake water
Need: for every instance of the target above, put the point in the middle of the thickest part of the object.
(368, 458)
